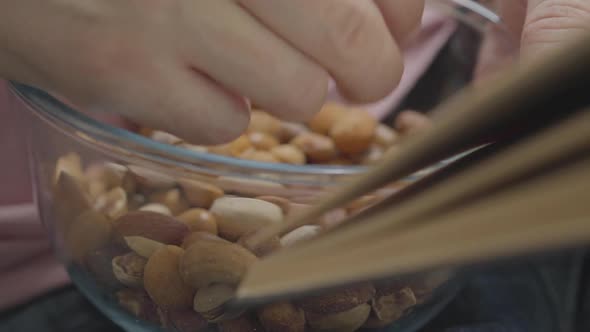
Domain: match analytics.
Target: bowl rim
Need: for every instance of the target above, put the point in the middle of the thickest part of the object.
(96, 133)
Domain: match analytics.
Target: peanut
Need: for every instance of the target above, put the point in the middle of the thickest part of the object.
(354, 132)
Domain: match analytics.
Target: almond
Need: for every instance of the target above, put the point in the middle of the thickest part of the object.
(162, 279)
(151, 225)
(215, 262)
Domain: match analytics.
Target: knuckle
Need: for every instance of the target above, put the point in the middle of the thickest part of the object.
(548, 21)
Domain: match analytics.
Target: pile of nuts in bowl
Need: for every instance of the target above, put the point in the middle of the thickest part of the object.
(337, 135)
(171, 251)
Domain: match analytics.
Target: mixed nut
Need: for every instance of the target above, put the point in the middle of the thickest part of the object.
(172, 251)
(337, 135)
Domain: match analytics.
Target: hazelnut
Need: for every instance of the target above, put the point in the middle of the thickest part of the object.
(200, 194)
(354, 132)
(345, 321)
(128, 269)
(282, 317)
(199, 220)
(113, 203)
(238, 215)
(289, 154)
(142, 246)
(323, 121)
(317, 148)
(89, 232)
(172, 199)
(162, 279)
(151, 225)
(215, 262)
(338, 300)
(262, 141)
(264, 123)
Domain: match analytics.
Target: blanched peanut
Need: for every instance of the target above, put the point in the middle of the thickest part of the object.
(354, 132)
(258, 155)
(156, 207)
(316, 147)
(262, 141)
(289, 154)
(291, 129)
(200, 194)
(199, 220)
(323, 121)
(264, 123)
(239, 216)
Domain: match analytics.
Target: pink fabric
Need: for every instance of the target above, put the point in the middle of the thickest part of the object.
(27, 266)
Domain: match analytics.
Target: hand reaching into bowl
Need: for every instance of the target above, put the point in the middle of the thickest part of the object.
(191, 66)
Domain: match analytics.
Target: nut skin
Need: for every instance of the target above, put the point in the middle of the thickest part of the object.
(163, 282)
(289, 154)
(173, 199)
(89, 232)
(354, 132)
(282, 317)
(128, 269)
(317, 148)
(238, 216)
(199, 220)
(151, 225)
(200, 194)
(344, 321)
(211, 262)
(338, 300)
(325, 119)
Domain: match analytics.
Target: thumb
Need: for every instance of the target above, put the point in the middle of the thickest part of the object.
(551, 23)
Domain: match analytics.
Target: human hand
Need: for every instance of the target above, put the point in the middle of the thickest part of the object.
(537, 26)
(189, 66)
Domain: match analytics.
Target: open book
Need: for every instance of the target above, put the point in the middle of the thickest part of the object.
(526, 191)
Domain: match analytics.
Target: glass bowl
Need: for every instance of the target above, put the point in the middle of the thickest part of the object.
(125, 211)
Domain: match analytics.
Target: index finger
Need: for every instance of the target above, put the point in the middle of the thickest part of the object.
(403, 17)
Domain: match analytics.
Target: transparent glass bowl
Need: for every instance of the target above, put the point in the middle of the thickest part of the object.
(114, 204)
